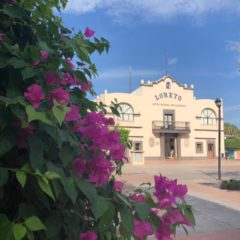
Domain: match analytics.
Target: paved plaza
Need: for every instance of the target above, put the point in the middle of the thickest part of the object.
(217, 211)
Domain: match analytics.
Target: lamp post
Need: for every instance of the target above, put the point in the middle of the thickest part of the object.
(218, 103)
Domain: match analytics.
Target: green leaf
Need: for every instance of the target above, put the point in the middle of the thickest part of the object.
(7, 141)
(66, 154)
(5, 118)
(34, 224)
(53, 225)
(108, 216)
(99, 206)
(3, 62)
(45, 47)
(30, 235)
(88, 189)
(71, 189)
(3, 177)
(19, 231)
(13, 11)
(26, 210)
(58, 170)
(8, 101)
(5, 228)
(44, 185)
(123, 199)
(21, 177)
(126, 226)
(59, 112)
(143, 210)
(155, 220)
(188, 212)
(83, 54)
(52, 175)
(36, 115)
(28, 73)
(36, 152)
(16, 63)
(26, 168)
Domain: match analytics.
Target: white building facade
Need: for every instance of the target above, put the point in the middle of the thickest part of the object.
(166, 121)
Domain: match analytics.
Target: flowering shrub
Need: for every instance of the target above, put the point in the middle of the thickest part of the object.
(59, 154)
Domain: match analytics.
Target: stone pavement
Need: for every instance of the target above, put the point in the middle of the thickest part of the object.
(213, 221)
(217, 211)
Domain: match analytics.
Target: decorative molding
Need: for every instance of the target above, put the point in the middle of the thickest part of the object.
(131, 127)
(136, 136)
(208, 130)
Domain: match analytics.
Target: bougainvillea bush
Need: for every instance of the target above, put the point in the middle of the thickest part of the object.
(59, 153)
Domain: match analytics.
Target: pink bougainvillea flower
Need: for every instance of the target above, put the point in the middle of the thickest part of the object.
(180, 191)
(44, 55)
(73, 114)
(164, 233)
(89, 32)
(89, 235)
(34, 95)
(79, 164)
(68, 79)
(109, 121)
(69, 62)
(93, 128)
(36, 62)
(60, 95)
(175, 216)
(100, 169)
(167, 191)
(138, 197)
(117, 186)
(1, 37)
(142, 229)
(86, 86)
(52, 78)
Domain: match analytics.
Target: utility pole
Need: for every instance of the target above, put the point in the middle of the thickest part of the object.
(166, 64)
(130, 79)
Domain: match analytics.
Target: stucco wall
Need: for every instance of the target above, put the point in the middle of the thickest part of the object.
(151, 100)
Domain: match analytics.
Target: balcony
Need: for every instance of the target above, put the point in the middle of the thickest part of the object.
(170, 127)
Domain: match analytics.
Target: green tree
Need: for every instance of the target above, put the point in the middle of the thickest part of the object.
(58, 159)
(231, 129)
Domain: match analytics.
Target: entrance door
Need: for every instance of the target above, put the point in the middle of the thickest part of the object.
(210, 151)
(168, 120)
(170, 147)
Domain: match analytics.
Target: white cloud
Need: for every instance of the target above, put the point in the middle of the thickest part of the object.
(152, 9)
(232, 108)
(172, 60)
(124, 73)
(233, 45)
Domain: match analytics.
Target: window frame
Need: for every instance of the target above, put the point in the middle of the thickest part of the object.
(196, 147)
(140, 149)
(125, 115)
(206, 117)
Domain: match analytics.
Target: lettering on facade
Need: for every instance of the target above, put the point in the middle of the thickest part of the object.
(168, 95)
(168, 105)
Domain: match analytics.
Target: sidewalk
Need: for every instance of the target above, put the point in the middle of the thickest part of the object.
(217, 211)
(213, 222)
(200, 177)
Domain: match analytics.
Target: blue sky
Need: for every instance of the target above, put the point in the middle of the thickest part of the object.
(200, 38)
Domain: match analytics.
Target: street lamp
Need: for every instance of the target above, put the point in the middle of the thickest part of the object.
(218, 103)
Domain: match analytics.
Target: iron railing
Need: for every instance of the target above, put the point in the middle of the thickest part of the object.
(165, 126)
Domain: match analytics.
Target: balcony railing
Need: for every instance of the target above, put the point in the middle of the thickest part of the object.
(171, 127)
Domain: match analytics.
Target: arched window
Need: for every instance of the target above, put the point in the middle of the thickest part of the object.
(168, 85)
(126, 112)
(208, 116)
